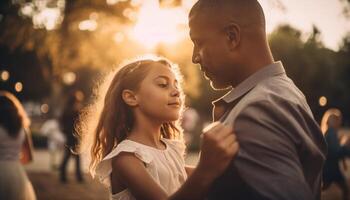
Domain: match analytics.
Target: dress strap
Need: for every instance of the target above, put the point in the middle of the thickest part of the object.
(104, 168)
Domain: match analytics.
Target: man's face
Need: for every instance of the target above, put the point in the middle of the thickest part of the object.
(210, 50)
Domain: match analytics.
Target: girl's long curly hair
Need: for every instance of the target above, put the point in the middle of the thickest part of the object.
(108, 120)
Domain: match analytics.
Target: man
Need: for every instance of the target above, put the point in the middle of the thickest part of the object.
(282, 149)
(68, 118)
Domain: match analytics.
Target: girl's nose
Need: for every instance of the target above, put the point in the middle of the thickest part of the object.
(175, 92)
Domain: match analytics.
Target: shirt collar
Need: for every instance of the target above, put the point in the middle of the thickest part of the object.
(273, 69)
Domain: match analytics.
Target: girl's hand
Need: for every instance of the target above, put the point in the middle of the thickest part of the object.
(219, 145)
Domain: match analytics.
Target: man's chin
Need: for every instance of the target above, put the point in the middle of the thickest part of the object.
(219, 86)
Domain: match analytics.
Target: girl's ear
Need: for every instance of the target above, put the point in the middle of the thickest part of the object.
(129, 98)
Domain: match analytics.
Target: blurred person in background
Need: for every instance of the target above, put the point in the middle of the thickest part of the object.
(190, 118)
(56, 140)
(15, 149)
(330, 125)
(68, 118)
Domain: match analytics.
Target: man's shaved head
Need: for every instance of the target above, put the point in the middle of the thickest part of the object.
(245, 13)
(226, 35)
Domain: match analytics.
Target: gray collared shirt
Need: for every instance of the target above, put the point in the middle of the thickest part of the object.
(282, 149)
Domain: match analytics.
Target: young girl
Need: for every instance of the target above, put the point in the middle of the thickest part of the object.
(137, 147)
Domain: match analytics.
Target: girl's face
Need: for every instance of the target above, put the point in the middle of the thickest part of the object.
(158, 96)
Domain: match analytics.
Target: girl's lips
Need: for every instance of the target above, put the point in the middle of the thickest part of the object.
(175, 104)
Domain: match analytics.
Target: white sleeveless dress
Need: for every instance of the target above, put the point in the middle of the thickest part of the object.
(167, 167)
(14, 183)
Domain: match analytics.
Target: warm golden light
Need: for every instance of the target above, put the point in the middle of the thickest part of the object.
(130, 14)
(18, 87)
(43, 13)
(112, 2)
(5, 75)
(48, 18)
(135, 2)
(79, 95)
(69, 78)
(27, 10)
(88, 25)
(322, 101)
(44, 108)
(119, 37)
(160, 25)
(93, 16)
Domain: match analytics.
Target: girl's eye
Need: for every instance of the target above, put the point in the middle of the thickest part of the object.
(163, 85)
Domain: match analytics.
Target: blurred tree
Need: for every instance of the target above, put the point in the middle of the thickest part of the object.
(59, 36)
(312, 67)
(343, 81)
(18, 56)
(23, 71)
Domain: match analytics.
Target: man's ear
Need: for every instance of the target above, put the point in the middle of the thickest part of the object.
(129, 98)
(233, 33)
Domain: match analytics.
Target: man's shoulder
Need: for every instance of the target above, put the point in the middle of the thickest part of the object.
(273, 96)
(276, 90)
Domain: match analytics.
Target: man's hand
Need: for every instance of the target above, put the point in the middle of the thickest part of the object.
(219, 145)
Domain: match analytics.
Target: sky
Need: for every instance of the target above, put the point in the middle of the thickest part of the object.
(302, 14)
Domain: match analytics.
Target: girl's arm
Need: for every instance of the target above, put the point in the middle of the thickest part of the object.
(132, 173)
(218, 148)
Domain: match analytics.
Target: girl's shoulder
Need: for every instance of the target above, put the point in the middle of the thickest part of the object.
(104, 167)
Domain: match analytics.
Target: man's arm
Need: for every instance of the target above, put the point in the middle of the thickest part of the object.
(270, 135)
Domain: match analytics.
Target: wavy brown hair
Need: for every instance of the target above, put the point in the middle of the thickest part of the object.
(108, 120)
(12, 115)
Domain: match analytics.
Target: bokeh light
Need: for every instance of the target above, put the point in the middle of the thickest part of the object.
(79, 95)
(5, 75)
(18, 87)
(88, 25)
(44, 108)
(322, 101)
(69, 78)
(112, 2)
(43, 14)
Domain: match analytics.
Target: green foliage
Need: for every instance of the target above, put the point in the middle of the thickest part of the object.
(316, 70)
